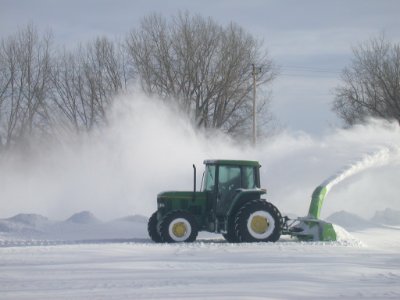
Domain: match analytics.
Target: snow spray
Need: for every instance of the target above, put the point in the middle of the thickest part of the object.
(311, 227)
(379, 158)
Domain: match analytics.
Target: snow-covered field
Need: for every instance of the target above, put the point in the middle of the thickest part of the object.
(120, 171)
(363, 264)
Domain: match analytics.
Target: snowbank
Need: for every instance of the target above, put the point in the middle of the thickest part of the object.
(349, 221)
(80, 226)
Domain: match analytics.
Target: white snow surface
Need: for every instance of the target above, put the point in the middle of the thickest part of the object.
(361, 264)
(110, 174)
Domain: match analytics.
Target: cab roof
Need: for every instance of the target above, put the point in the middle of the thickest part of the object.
(251, 163)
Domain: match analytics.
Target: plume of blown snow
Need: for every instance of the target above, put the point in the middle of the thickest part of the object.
(148, 147)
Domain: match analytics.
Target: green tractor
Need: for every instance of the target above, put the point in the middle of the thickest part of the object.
(230, 203)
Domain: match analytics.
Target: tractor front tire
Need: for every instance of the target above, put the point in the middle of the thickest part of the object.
(231, 236)
(258, 221)
(178, 226)
(152, 228)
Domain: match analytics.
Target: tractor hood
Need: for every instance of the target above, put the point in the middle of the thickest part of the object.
(168, 201)
(169, 195)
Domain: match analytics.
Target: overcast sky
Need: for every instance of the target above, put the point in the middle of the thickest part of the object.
(309, 40)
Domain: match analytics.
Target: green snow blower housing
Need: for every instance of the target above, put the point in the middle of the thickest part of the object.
(311, 228)
(230, 203)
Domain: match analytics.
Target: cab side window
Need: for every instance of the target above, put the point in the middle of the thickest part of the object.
(228, 183)
(249, 180)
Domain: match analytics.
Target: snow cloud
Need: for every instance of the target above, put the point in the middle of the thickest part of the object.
(148, 148)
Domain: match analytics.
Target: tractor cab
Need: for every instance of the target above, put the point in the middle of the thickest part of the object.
(224, 179)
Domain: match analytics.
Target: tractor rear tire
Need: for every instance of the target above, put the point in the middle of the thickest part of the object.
(152, 228)
(178, 226)
(258, 221)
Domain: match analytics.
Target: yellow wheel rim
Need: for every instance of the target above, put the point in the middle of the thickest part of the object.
(259, 224)
(179, 229)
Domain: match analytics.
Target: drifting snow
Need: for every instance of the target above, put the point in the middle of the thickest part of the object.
(148, 147)
(133, 218)
(379, 158)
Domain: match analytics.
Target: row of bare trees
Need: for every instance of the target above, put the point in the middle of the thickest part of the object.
(190, 61)
(43, 91)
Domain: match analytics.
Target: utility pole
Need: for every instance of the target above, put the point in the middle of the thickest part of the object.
(254, 73)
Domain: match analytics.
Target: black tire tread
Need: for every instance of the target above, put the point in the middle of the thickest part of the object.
(240, 220)
(231, 236)
(152, 228)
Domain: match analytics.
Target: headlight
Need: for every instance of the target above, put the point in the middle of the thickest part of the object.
(161, 205)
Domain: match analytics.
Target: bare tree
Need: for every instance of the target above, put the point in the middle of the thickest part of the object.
(371, 84)
(204, 67)
(24, 84)
(85, 82)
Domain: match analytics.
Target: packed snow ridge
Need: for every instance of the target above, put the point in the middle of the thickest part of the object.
(86, 226)
(84, 217)
(29, 219)
(353, 222)
(349, 221)
(82, 225)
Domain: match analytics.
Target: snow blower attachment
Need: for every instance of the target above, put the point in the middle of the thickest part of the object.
(311, 228)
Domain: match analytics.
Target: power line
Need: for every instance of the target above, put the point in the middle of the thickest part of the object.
(308, 71)
(309, 75)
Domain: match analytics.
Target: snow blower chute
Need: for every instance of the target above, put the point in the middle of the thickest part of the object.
(311, 227)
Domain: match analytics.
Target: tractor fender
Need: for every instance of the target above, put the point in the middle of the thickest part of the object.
(243, 196)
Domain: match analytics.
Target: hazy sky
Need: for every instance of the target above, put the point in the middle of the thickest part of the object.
(310, 40)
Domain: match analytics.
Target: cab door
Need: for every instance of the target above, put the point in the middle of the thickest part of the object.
(210, 188)
(229, 181)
